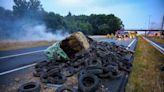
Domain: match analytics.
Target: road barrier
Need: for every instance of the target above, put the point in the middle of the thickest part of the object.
(159, 48)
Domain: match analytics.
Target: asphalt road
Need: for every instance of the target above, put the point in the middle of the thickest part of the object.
(20, 51)
(32, 55)
(12, 79)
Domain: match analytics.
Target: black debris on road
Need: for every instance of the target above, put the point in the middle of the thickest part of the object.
(101, 61)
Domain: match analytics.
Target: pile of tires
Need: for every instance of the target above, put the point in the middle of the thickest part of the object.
(101, 60)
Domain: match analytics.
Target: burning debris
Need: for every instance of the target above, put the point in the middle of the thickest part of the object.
(89, 60)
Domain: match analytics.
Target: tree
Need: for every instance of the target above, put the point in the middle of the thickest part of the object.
(54, 21)
(31, 12)
(31, 8)
(103, 24)
(69, 14)
(6, 21)
(6, 18)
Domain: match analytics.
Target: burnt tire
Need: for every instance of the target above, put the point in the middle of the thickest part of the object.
(77, 68)
(66, 88)
(112, 75)
(77, 63)
(104, 75)
(110, 68)
(82, 72)
(94, 67)
(88, 83)
(111, 72)
(43, 78)
(68, 72)
(57, 79)
(95, 71)
(95, 62)
(125, 68)
(53, 71)
(41, 64)
(36, 74)
(29, 87)
(161, 68)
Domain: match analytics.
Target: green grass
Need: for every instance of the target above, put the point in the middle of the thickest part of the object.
(146, 76)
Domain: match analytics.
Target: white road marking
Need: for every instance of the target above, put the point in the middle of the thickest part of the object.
(20, 68)
(27, 66)
(130, 44)
(10, 56)
(155, 45)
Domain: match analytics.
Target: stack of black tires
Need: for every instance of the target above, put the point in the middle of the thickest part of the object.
(101, 61)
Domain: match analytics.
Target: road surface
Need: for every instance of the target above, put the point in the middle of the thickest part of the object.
(17, 58)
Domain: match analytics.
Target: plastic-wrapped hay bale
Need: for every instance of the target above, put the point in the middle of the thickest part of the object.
(55, 52)
(68, 47)
(75, 43)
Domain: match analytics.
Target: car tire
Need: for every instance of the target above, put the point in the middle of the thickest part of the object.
(77, 68)
(41, 64)
(82, 72)
(95, 71)
(43, 78)
(57, 79)
(69, 72)
(93, 67)
(36, 74)
(29, 87)
(53, 71)
(95, 63)
(114, 75)
(88, 83)
(66, 88)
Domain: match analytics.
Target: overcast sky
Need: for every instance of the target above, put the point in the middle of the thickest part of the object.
(134, 13)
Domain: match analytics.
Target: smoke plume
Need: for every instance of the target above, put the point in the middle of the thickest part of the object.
(29, 30)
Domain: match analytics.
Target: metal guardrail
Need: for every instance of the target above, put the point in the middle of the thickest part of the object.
(159, 48)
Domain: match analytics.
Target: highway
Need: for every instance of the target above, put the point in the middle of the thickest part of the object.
(17, 65)
(17, 58)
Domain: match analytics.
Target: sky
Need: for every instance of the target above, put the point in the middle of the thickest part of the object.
(135, 14)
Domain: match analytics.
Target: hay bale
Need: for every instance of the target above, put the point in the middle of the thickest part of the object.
(75, 43)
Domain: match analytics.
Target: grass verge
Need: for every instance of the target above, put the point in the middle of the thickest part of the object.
(12, 45)
(145, 75)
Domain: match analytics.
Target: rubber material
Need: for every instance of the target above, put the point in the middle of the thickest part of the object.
(66, 88)
(57, 79)
(29, 87)
(70, 71)
(88, 83)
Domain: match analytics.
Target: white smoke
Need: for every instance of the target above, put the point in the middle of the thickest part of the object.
(26, 29)
(40, 32)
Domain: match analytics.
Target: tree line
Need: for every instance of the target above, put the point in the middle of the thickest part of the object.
(94, 24)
